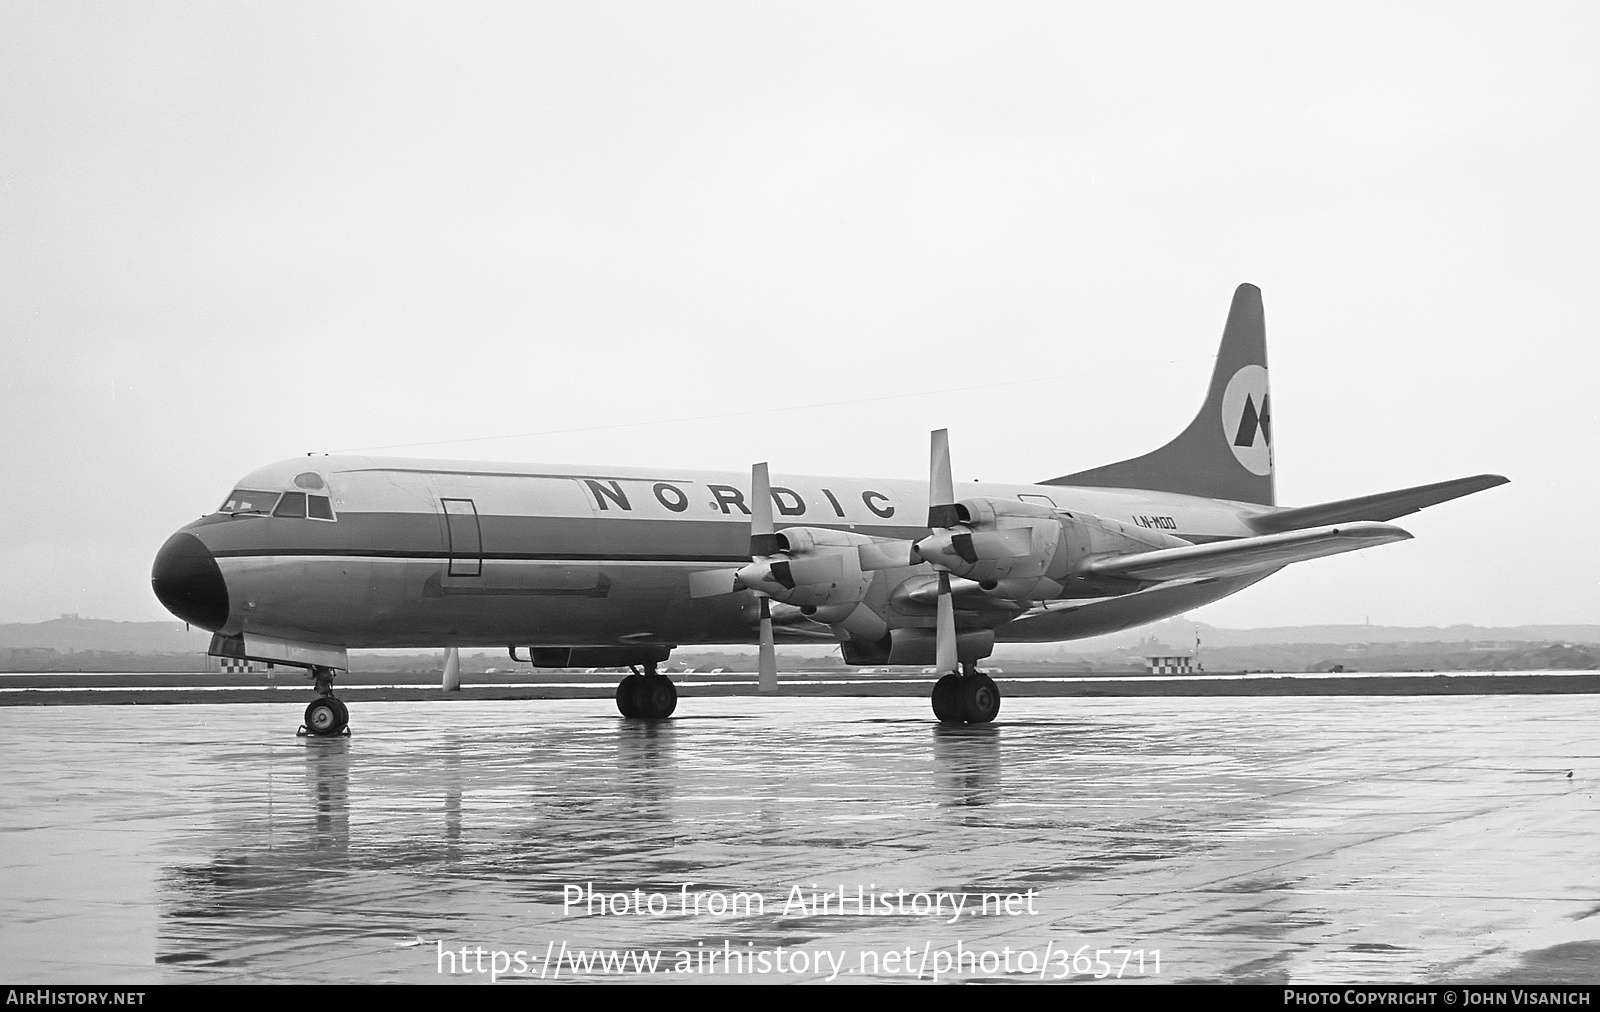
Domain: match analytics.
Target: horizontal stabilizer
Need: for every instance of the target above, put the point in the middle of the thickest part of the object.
(1245, 555)
(1382, 506)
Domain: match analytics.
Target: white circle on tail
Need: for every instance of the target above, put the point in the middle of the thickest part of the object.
(1247, 419)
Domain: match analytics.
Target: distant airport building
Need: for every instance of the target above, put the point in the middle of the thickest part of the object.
(238, 666)
(26, 656)
(1172, 664)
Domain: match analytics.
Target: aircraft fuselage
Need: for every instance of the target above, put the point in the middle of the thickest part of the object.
(423, 553)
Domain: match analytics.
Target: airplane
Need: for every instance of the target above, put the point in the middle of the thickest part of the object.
(311, 557)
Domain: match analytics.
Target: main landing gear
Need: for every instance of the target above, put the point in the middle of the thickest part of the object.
(968, 698)
(649, 696)
(326, 716)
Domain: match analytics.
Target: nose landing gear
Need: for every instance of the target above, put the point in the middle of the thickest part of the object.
(326, 716)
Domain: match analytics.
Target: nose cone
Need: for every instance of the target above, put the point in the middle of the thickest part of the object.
(189, 583)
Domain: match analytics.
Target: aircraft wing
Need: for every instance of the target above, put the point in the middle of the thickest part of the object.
(1382, 506)
(1244, 555)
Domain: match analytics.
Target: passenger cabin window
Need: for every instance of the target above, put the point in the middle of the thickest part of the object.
(293, 505)
(244, 500)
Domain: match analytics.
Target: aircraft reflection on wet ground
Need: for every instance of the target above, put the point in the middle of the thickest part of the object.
(1253, 840)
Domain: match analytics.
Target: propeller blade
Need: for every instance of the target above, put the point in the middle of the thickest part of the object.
(767, 665)
(782, 573)
(888, 555)
(945, 628)
(941, 487)
(762, 541)
(961, 544)
(452, 669)
(713, 582)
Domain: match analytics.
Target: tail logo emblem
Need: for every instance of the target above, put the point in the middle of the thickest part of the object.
(1247, 419)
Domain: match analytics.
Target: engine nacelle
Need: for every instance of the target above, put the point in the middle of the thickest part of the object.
(811, 568)
(995, 541)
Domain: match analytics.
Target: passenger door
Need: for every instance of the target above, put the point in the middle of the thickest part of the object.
(464, 537)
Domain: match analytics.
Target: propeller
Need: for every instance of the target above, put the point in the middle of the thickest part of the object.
(952, 546)
(775, 568)
(942, 512)
(813, 570)
(764, 543)
(945, 547)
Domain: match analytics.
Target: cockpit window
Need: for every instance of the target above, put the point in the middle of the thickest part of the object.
(292, 505)
(244, 500)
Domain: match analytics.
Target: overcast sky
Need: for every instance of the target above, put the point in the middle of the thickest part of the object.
(233, 233)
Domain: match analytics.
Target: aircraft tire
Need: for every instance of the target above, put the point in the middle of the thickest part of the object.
(980, 699)
(628, 695)
(326, 716)
(946, 703)
(656, 697)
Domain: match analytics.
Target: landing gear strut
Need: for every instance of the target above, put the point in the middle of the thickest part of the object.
(649, 696)
(968, 698)
(326, 716)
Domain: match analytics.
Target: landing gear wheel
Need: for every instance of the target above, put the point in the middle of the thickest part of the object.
(326, 717)
(979, 698)
(946, 706)
(628, 695)
(656, 697)
(970, 698)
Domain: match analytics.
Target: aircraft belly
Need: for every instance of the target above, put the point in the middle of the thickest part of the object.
(415, 603)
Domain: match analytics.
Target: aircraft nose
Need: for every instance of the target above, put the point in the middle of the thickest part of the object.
(189, 583)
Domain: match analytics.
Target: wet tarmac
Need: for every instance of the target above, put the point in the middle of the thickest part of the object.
(58, 688)
(1263, 840)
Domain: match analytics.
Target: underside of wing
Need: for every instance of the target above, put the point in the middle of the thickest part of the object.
(1382, 506)
(1245, 555)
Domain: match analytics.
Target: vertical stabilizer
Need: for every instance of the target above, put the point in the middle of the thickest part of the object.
(1226, 452)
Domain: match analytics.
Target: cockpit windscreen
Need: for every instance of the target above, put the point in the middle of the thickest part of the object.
(244, 500)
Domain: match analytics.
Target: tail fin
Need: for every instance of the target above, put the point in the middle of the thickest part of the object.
(1226, 452)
